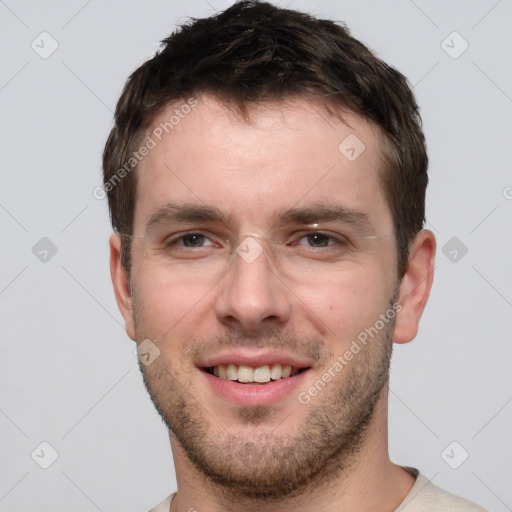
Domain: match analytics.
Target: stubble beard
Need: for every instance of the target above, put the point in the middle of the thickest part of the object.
(261, 463)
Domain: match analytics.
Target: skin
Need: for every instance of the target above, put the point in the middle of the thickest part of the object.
(330, 454)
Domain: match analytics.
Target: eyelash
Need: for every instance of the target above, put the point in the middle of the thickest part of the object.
(339, 240)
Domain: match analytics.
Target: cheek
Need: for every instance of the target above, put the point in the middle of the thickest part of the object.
(347, 305)
(167, 302)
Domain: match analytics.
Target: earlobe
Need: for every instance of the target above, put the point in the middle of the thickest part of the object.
(121, 284)
(415, 286)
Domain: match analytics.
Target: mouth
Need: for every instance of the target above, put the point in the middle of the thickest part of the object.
(259, 375)
(253, 377)
(262, 383)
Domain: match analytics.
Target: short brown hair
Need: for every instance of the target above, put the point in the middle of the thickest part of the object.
(255, 52)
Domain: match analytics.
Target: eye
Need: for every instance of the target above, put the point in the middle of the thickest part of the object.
(190, 241)
(319, 240)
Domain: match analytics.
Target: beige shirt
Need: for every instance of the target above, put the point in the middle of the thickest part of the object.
(423, 497)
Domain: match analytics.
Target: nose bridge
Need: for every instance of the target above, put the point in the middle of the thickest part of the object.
(251, 294)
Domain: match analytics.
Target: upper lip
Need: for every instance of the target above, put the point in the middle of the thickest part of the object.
(253, 359)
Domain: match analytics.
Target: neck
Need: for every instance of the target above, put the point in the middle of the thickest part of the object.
(368, 482)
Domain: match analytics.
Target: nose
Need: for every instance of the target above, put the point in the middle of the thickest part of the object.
(252, 297)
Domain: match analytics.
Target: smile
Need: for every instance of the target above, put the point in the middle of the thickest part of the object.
(247, 386)
(260, 375)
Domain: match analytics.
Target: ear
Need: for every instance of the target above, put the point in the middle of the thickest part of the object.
(415, 286)
(121, 285)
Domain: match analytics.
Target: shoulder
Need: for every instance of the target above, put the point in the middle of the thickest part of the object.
(423, 497)
(164, 506)
(427, 497)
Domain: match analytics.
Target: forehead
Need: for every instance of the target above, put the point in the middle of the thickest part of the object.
(283, 155)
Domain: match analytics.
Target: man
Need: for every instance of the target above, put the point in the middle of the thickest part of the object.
(266, 179)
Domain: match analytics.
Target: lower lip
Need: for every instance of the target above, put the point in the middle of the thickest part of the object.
(254, 394)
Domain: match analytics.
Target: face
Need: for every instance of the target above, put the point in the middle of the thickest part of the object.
(263, 254)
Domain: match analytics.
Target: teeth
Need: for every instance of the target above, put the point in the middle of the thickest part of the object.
(231, 372)
(245, 373)
(275, 372)
(261, 374)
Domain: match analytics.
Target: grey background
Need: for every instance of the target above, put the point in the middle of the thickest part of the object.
(69, 376)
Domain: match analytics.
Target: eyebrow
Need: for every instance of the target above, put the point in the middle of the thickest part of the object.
(189, 213)
(315, 213)
(185, 213)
